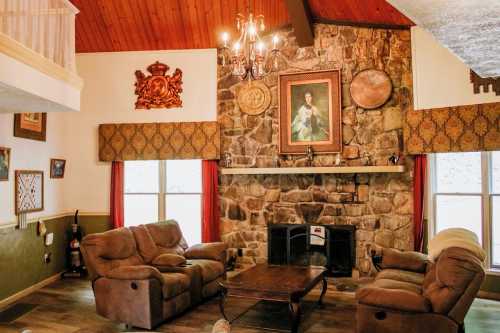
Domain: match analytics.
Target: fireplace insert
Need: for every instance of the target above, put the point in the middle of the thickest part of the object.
(331, 246)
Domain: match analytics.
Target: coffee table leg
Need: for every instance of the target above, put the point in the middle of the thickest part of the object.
(222, 300)
(324, 287)
(295, 314)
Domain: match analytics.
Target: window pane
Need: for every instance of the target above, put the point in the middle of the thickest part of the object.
(459, 211)
(495, 172)
(186, 210)
(140, 209)
(458, 173)
(496, 229)
(184, 176)
(142, 177)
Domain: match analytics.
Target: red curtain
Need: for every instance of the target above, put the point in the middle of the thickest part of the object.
(210, 202)
(419, 180)
(116, 197)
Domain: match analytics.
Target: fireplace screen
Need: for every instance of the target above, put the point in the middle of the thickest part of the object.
(306, 244)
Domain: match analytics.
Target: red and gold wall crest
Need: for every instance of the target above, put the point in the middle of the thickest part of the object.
(158, 90)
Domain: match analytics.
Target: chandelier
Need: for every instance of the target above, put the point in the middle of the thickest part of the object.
(248, 57)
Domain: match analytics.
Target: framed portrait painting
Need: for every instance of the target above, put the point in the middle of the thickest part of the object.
(30, 126)
(57, 167)
(4, 163)
(310, 112)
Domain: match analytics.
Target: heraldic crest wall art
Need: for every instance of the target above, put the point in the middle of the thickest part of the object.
(158, 90)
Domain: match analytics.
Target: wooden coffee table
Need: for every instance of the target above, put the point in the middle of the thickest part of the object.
(287, 284)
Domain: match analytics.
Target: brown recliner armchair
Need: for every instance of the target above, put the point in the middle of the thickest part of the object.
(140, 276)
(411, 293)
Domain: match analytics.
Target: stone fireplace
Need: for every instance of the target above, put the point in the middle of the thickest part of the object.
(379, 206)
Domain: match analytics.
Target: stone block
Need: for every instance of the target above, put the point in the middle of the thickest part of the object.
(393, 118)
(403, 202)
(384, 238)
(254, 203)
(354, 209)
(340, 197)
(334, 210)
(272, 195)
(235, 212)
(380, 204)
(297, 196)
(350, 152)
(309, 211)
(363, 193)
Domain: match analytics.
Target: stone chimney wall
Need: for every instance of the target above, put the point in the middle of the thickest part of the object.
(379, 205)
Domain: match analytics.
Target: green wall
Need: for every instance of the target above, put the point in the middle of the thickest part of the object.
(21, 252)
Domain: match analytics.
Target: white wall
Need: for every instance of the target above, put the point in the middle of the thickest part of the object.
(441, 79)
(33, 155)
(108, 97)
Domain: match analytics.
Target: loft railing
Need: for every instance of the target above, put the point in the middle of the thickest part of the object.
(47, 27)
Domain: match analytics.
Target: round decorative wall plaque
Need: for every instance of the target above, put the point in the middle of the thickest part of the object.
(371, 88)
(254, 98)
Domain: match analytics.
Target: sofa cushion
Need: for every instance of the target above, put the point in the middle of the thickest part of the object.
(145, 244)
(139, 272)
(105, 251)
(213, 251)
(174, 284)
(397, 299)
(410, 260)
(169, 260)
(401, 275)
(394, 284)
(166, 234)
(210, 269)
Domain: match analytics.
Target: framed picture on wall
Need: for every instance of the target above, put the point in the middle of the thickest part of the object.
(4, 163)
(29, 191)
(310, 112)
(31, 126)
(57, 167)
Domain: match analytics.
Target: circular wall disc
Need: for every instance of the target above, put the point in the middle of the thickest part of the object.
(371, 88)
(254, 98)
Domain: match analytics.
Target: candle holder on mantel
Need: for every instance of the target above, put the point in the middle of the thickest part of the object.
(309, 156)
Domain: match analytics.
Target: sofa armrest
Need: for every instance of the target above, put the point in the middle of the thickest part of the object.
(139, 272)
(393, 258)
(168, 260)
(212, 251)
(395, 299)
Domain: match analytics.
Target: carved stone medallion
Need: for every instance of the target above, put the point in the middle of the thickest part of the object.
(254, 98)
(158, 90)
(371, 88)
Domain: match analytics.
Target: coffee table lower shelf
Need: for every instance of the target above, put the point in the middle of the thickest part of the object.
(273, 288)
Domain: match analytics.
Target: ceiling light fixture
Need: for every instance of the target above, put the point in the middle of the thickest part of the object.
(248, 57)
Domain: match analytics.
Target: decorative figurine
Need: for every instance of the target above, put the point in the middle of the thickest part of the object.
(227, 160)
(393, 159)
(337, 160)
(309, 155)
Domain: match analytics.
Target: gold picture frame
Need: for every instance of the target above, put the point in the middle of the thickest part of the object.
(310, 112)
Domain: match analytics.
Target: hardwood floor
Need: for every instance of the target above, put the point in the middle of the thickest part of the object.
(67, 306)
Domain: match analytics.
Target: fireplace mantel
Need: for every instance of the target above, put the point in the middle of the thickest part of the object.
(314, 170)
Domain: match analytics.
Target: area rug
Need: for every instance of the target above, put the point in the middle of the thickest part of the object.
(271, 315)
(12, 313)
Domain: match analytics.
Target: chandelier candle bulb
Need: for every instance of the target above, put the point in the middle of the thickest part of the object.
(276, 40)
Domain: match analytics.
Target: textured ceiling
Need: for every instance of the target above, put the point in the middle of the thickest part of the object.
(469, 28)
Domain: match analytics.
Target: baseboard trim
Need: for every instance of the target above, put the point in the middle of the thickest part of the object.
(25, 292)
(489, 295)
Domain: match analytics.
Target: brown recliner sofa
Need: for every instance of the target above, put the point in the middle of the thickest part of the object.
(144, 275)
(412, 293)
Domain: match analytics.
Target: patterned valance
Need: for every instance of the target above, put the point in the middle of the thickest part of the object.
(159, 141)
(453, 129)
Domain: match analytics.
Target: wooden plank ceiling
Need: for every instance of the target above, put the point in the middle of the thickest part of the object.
(132, 25)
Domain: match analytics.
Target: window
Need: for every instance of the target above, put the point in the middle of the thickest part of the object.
(160, 190)
(465, 192)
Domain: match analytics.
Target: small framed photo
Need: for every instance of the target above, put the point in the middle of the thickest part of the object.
(4, 163)
(31, 126)
(310, 112)
(57, 167)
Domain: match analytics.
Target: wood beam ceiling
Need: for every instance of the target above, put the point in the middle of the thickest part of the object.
(300, 17)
